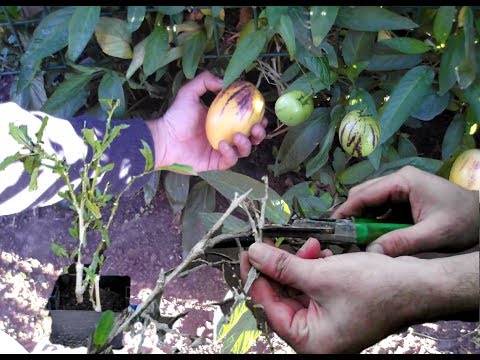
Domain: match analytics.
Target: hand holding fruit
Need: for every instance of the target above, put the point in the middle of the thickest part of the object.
(180, 134)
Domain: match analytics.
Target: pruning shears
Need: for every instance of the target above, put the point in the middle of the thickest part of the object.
(342, 232)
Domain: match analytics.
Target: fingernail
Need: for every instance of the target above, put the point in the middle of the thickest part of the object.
(375, 248)
(258, 254)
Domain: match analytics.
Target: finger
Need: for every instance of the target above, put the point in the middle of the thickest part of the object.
(243, 144)
(280, 265)
(406, 241)
(264, 122)
(262, 285)
(393, 187)
(202, 83)
(258, 134)
(326, 253)
(310, 249)
(228, 156)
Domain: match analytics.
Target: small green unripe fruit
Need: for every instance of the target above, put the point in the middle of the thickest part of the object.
(294, 107)
(466, 170)
(358, 134)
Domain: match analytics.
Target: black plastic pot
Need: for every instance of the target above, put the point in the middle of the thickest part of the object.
(72, 323)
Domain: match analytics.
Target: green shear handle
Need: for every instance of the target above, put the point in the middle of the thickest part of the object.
(369, 230)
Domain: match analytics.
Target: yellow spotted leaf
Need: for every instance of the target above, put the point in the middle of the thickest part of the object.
(114, 37)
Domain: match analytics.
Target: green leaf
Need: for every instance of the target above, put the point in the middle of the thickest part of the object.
(80, 29)
(273, 14)
(170, 10)
(106, 168)
(69, 96)
(319, 67)
(315, 163)
(375, 157)
(231, 224)
(20, 134)
(103, 329)
(300, 141)
(176, 187)
(91, 139)
(155, 50)
(453, 136)
(201, 199)
(425, 164)
(451, 58)
(240, 332)
(28, 70)
(339, 160)
(322, 19)
(135, 16)
(147, 154)
(356, 173)
(114, 37)
(151, 186)
(39, 134)
(407, 45)
(51, 35)
(93, 209)
(361, 99)
(180, 168)
(247, 51)
(287, 32)
(10, 160)
(431, 106)
(228, 183)
(298, 190)
(371, 18)
(406, 148)
(290, 73)
(465, 72)
(111, 87)
(58, 250)
(303, 83)
(137, 58)
(391, 62)
(472, 96)
(315, 207)
(443, 23)
(358, 46)
(407, 94)
(194, 45)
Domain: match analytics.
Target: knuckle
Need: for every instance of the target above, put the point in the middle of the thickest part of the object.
(282, 267)
(396, 245)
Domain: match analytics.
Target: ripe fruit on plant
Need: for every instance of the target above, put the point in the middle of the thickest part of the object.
(358, 134)
(466, 170)
(234, 110)
(294, 107)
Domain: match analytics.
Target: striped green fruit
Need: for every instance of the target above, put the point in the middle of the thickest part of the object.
(358, 134)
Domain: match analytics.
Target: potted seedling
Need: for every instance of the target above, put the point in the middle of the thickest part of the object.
(81, 295)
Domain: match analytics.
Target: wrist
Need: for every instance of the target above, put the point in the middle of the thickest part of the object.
(159, 140)
(449, 286)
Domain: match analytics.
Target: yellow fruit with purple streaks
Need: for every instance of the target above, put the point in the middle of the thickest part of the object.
(466, 170)
(235, 110)
(358, 134)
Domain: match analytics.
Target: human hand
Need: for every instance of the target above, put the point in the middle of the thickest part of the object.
(345, 303)
(445, 214)
(180, 137)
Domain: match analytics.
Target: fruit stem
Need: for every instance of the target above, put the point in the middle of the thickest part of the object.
(281, 130)
(312, 90)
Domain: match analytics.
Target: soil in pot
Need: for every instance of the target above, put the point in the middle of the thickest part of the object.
(73, 323)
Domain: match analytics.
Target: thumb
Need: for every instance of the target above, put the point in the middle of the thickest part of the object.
(202, 83)
(279, 265)
(406, 241)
